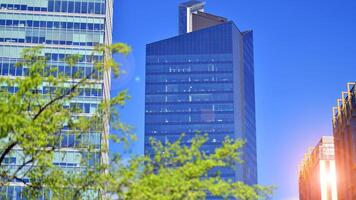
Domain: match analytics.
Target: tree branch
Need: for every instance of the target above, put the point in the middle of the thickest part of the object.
(7, 151)
(72, 89)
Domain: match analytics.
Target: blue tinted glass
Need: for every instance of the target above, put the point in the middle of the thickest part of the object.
(71, 140)
(18, 71)
(103, 8)
(87, 108)
(98, 8)
(64, 7)
(64, 142)
(190, 88)
(5, 69)
(69, 25)
(91, 7)
(36, 24)
(35, 40)
(84, 7)
(29, 23)
(8, 22)
(83, 26)
(43, 24)
(50, 24)
(70, 6)
(57, 6)
(15, 22)
(76, 25)
(56, 24)
(77, 7)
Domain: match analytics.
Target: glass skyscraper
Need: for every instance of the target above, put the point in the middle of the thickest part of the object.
(62, 27)
(203, 81)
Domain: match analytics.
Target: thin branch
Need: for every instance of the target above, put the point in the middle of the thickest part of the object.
(72, 89)
(7, 151)
(22, 166)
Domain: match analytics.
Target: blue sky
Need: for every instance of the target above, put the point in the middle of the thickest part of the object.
(304, 56)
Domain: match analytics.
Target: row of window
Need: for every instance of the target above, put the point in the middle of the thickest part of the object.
(83, 92)
(95, 128)
(189, 98)
(84, 107)
(64, 164)
(61, 57)
(7, 69)
(173, 78)
(207, 148)
(189, 58)
(183, 108)
(185, 88)
(189, 128)
(9, 160)
(42, 40)
(16, 192)
(76, 7)
(190, 81)
(193, 92)
(187, 62)
(83, 58)
(79, 107)
(191, 118)
(67, 159)
(170, 112)
(186, 73)
(187, 68)
(187, 123)
(61, 6)
(52, 24)
(212, 137)
(85, 140)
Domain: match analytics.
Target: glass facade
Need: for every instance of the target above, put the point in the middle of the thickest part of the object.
(63, 28)
(203, 81)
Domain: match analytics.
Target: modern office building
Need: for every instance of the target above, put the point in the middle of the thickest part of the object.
(202, 81)
(62, 27)
(344, 127)
(317, 173)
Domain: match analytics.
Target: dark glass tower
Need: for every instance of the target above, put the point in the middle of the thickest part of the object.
(203, 81)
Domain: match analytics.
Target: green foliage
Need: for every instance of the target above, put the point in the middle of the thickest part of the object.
(179, 171)
(31, 125)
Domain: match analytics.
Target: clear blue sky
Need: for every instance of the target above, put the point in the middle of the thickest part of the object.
(304, 56)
